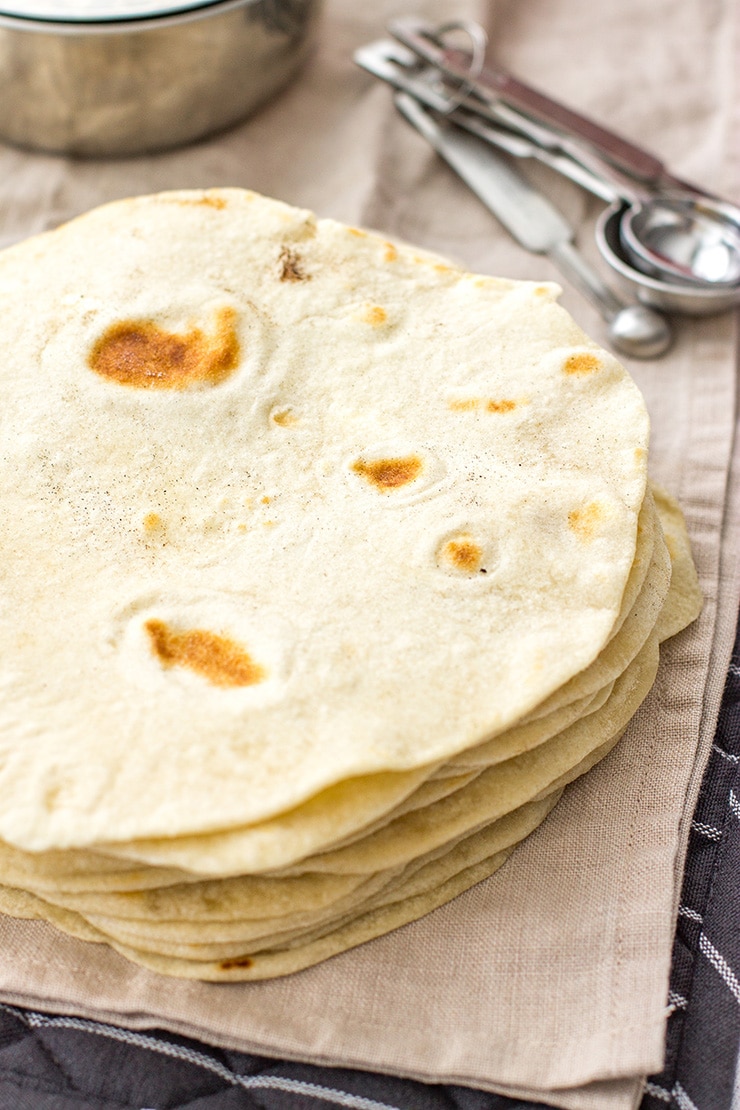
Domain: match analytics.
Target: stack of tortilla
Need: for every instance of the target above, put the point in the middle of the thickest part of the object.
(326, 566)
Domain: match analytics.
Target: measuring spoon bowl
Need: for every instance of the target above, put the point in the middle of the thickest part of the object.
(683, 240)
(666, 296)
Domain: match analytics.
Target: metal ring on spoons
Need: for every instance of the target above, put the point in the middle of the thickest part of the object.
(479, 42)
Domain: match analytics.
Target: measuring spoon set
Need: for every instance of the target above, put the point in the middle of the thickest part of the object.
(672, 245)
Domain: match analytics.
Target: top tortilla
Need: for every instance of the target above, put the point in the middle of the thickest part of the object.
(284, 505)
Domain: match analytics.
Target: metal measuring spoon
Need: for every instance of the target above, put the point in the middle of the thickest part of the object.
(528, 215)
(668, 295)
(521, 137)
(686, 239)
(400, 68)
(670, 229)
(674, 297)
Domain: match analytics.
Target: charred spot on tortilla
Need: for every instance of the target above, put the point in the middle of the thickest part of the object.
(471, 404)
(219, 660)
(388, 474)
(461, 553)
(237, 961)
(375, 315)
(464, 404)
(500, 406)
(582, 363)
(141, 354)
(291, 266)
(206, 200)
(584, 521)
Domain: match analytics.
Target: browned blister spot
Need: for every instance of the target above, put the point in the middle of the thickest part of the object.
(386, 474)
(52, 795)
(464, 404)
(391, 254)
(470, 404)
(584, 363)
(237, 961)
(216, 658)
(207, 200)
(375, 315)
(153, 523)
(141, 354)
(462, 553)
(284, 418)
(291, 266)
(584, 522)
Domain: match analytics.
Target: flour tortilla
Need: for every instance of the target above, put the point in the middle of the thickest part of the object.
(261, 892)
(272, 845)
(251, 505)
(686, 597)
(19, 903)
(344, 861)
(501, 790)
(77, 870)
(99, 883)
(205, 940)
(167, 949)
(264, 963)
(354, 931)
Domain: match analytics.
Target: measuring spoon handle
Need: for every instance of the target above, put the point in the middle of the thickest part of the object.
(496, 84)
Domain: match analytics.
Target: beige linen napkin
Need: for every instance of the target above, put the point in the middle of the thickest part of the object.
(550, 979)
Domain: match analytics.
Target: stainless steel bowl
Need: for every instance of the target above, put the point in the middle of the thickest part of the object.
(105, 78)
(667, 297)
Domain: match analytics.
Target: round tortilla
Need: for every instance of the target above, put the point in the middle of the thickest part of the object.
(298, 835)
(301, 509)
(327, 567)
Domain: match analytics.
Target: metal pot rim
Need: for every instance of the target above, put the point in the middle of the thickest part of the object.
(159, 13)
